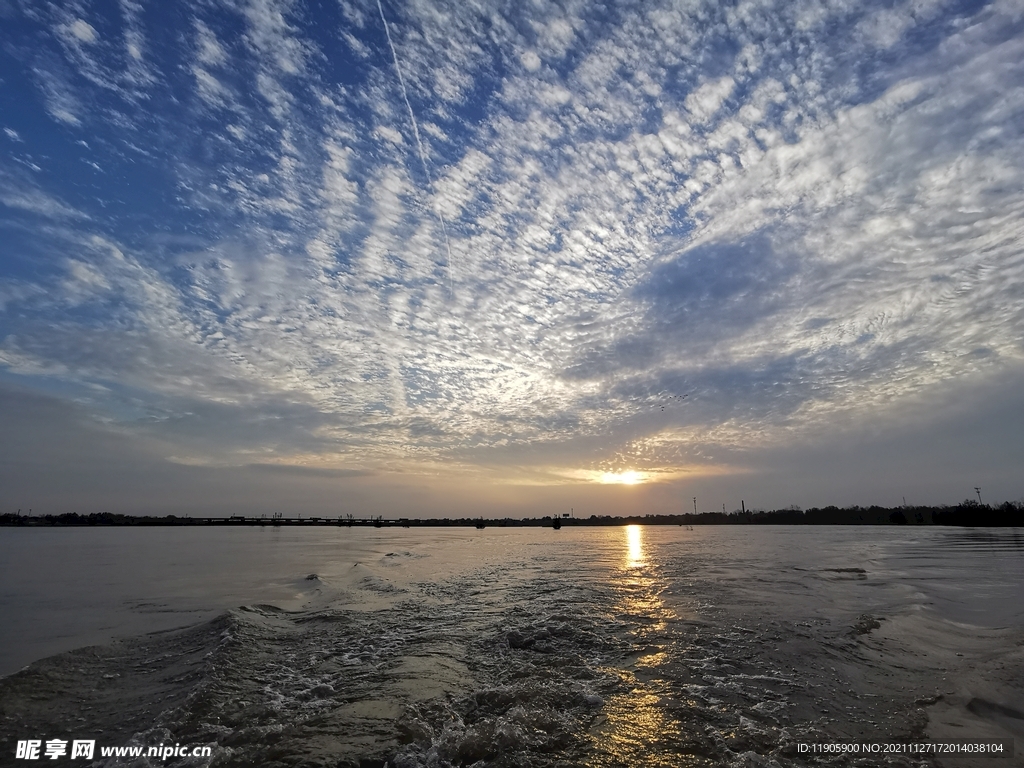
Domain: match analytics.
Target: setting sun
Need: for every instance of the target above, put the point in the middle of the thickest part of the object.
(629, 477)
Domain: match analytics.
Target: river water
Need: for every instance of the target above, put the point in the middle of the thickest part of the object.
(612, 646)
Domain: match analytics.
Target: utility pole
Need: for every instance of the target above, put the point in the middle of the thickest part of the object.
(695, 505)
(743, 506)
(977, 490)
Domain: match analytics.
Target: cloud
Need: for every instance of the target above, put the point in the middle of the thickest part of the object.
(704, 102)
(531, 61)
(689, 307)
(790, 213)
(273, 37)
(61, 103)
(20, 192)
(82, 30)
(114, 64)
(209, 51)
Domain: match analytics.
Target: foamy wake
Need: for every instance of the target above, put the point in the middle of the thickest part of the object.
(492, 668)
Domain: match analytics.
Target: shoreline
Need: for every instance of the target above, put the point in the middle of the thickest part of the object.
(1006, 515)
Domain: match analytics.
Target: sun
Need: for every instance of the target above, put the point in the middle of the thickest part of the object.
(629, 477)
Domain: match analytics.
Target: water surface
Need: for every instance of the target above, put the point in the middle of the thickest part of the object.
(521, 646)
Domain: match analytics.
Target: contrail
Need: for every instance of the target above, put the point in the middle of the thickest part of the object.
(419, 142)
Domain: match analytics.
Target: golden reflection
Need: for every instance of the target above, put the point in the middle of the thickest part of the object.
(635, 546)
(636, 727)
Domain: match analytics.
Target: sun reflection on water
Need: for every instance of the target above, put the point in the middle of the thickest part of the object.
(635, 546)
(634, 727)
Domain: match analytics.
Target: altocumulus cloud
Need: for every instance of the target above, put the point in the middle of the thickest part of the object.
(224, 230)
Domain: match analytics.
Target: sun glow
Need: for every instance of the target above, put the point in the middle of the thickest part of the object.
(629, 477)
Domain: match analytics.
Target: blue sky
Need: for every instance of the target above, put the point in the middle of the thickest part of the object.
(428, 257)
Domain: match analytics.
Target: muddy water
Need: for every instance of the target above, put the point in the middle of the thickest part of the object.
(523, 647)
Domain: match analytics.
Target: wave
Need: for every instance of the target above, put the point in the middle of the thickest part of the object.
(656, 663)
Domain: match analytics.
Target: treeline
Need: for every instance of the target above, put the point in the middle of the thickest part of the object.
(966, 513)
(96, 518)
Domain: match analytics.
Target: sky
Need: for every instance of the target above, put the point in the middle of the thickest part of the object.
(427, 258)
